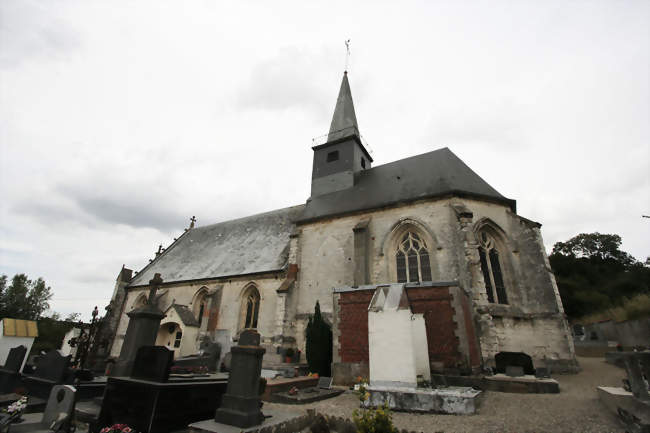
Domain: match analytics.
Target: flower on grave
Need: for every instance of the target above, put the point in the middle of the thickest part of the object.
(117, 428)
(17, 406)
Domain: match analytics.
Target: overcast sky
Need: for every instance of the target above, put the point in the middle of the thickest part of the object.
(121, 120)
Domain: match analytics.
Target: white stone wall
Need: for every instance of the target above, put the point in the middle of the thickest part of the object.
(229, 311)
(326, 257)
(326, 260)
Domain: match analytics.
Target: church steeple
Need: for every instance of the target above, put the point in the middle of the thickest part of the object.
(343, 154)
(344, 120)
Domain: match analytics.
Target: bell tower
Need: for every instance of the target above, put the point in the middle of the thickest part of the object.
(343, 154)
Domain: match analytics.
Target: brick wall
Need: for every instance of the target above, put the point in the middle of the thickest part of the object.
(353, 326)
(435, 304)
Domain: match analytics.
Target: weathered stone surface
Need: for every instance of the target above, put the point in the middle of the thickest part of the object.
(241, 405)
(451, 400)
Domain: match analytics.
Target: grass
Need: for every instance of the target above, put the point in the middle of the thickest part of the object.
(632, 308)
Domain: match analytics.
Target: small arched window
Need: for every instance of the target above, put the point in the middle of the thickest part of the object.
(250, 308)
(412, 259)
(491, 267)
(200, 304)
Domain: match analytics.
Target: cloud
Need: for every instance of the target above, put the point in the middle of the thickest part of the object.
(29, 29)
(289, 80)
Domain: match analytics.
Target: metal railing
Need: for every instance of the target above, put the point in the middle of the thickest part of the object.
(331, 136)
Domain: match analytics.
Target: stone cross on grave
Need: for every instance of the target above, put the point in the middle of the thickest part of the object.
(155, 283)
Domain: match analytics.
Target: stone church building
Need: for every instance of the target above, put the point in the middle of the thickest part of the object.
(477, 270)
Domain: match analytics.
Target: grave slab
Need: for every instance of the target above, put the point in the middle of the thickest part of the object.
(306, 395)
(633, 412)
(450, 400)
(275, 420)
(281, 384)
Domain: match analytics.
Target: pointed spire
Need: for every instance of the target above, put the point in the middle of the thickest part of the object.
(344, 121)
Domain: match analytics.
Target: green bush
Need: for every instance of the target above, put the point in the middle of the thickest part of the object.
(378, 420)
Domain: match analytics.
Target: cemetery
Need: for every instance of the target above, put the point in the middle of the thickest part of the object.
(149, 391)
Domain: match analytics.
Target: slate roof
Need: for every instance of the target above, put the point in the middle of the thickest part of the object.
(434, 174)
(187, 317)
(258, 243)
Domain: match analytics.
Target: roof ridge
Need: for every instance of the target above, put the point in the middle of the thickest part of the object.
(249, 216)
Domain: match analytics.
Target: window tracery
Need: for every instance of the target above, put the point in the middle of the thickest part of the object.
(250, 308)
(412, 259)
(492, 269)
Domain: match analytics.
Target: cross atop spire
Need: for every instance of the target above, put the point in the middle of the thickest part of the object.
(344, 121)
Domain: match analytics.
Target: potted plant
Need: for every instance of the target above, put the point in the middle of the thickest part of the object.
(289, 355)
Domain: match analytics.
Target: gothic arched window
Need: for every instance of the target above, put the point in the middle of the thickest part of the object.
(200, 305)
(250, 308)
(492, 270)
(412, 259)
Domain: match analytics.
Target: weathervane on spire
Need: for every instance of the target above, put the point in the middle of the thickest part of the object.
(347, 54)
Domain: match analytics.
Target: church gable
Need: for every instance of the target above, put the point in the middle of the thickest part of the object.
(254, 244)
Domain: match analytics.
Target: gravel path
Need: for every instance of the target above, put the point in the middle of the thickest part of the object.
(575, 410)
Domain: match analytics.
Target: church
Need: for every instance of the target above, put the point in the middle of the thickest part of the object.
(476, 269)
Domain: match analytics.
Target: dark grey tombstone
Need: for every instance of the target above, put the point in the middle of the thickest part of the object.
(211, 352)
(142, 330)
(241, 405)
(514, 371)
(152, 363)
(53, 366)
(9, 372)
(542, 372)
(504, 359)
(15, 358)
(325, 382)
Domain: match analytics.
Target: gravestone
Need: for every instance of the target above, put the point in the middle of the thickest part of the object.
(15, 358)
(542, 373)
(324, 383)
(51, 369)
(152, 363)
(53, 366)
(514, 370)
(515, 359)
(208, 357)
(143, 328)
(241, 405)
(9, 373)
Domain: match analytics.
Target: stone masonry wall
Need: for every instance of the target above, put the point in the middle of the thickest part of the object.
(327, 261)
(229, 313)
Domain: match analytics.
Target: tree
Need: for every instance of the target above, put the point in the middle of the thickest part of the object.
(595, 246)
(319, 344)
(24, 298)
(593, 274)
